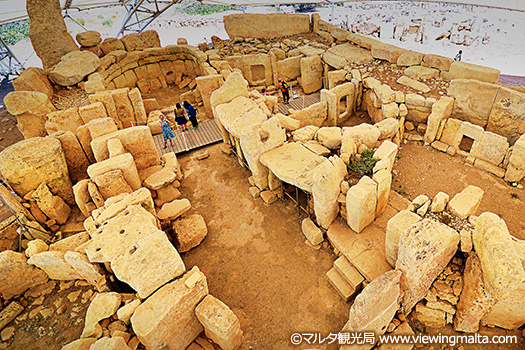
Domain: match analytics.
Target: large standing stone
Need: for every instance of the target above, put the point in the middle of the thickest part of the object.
(54, 265)
(26, 164)
(394, 229)
(124, 163)
(76, 160)
(220, 323)
(112, 183)
(66, 120)
(33, 79)
(326, 182)
(383, 178)
(53, 207)
(92, 273)
(147, 265)
(374, 308)
(74, 67)
(311, 74)
(361, 201)
(473, 100)
(425, 249)
(464, 70)
(516, 166)
(167, 318)
(466, 202)
(266, 26)
(506, 115)
(48, 31)
(30, 109)
(104, 305)
(363, 134)
(16, 276)
(190, 231)
(491, 148)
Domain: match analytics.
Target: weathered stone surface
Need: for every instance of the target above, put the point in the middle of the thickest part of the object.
(383, 178)
(503, 271)
(92, 273)
(410, 58)
(66, 120)
(387, 52)
(220, 323)
(52, 206)
(439, 62)
(104, 305)
(506, 116)
(311, 74)
(490, 147)
(361, 201)
(424, 251)
(74, 67)
(16, 276)
(399, 223)
(363, 134)
(107, 343)
(167, 318)
(9, 313)
(330, 137)
(509, 312)
(312, 233)
(70, 243)
(473, 100)
(33, 79)
(160, 179)
(439, 203)
(466, 202)
(89, 38)
(290, 124)
(421, 72)
(474, 301)
(464, 70)
(239, 115)
(265, 26)
(124, 162)
(54, 265)
(340, 56)
(292, 163)
(18, 102)
(112, 183)
(190, 231)
(430, 317)
(326, 182)
(125, 312)
(234, 86)
(441, 110)
(413, 84)
(76, 160)
(374, 307)
(150, 263)
(313, 115)
(387, 128)
(305, 133)
(290, 68)
(48, 31)
(79, 344)
(516, 165)
(174, 209)
(36, 246)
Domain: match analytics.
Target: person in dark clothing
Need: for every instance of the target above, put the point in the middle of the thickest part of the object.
(180, 118)
(191, 113)
(285, 89)
(458, 56)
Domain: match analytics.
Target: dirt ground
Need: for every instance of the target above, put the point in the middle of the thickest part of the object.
(423, 170)
(256, 259)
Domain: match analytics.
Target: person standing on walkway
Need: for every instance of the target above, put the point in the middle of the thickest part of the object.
(167, 132)
(191, 113)
(285, 89)
(458, 56)
(180, 118)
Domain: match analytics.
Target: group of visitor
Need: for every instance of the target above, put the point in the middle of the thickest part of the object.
(182, 116)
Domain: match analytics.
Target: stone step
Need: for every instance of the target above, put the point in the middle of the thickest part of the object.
(339, 283)
(349, 272)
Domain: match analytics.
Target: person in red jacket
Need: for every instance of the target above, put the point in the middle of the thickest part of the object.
(285, 89)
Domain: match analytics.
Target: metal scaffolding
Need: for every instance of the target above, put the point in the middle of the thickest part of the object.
(9, 64)
(150, 10)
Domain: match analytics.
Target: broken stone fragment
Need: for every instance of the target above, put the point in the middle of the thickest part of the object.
(174, 209)
(189, 231)
(104, 305)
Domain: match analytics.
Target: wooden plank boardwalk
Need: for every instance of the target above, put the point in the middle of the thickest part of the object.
(304, 101)
(207, 133)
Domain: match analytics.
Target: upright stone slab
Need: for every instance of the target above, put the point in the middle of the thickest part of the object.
(125, 163)
(394, 229)
(361, 202)
(16, 276)
(104, 305)
(167, 318)
(76, 160)
(466, 202)
(311, 74)
(383, 178)
(425, 249)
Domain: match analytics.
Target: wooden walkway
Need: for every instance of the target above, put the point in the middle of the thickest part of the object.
(207, 133)
(304, 101)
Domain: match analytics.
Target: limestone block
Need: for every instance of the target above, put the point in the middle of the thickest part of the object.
(312, 233)
(394, 229)
(441, 110)
(361, 202)
(419, 265)
(451, 132)
(33, 79)
(149, 264)
(490, 147)
(387, 150)
(465, 238)
(66, 120)
(125, 312)
(439, 203)
(305, 133)
(387, 52)
(95, 195)
(390, 110)
(290, 124)
(138, 106)
(92, 273)
(54, 265)
(76, 160)
(89, 38)
(167, 318)
(174, 209)
(30, 109)
(464, 70)
(220, 323)
(53, 206)
(503, 272)
(439, 62)
(314, 115)
(330, 137)
(36, 246)
(388, 127)
(108, 242)
(348, 54)
(167, 194)
(507, 313)
(70, 243)
(82, 198)
(375, 307)
(112, 183)
(363, 134)
(506, 115)
(124, 163)
(79, 344)
(104, 305)
(189, 231)
(430, 317)
(516, 165)
(265, 26)
(410, 58)
(101, 126)
(466, 202)
(106, 343)
(124, 107)
(73, 67)
(421, 72)
(383, 178)
(16, 276)
(115, 148)
(160, 179)
(109, 105)
(92, 111)
(311, 74)
(290, 68)
(84, 137)
(473, 100)
(474, 301)
(326, 182)
(413, 84)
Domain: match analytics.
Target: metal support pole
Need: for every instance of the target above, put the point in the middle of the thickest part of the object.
(332, 15)
(297, 201)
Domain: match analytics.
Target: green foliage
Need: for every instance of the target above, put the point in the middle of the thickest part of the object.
(107, 22)
(12, 33)
(364, 166)
(203, 9)
(81, 21)
(304, 7)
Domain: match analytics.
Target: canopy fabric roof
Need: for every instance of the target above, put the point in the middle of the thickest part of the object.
(14, 10)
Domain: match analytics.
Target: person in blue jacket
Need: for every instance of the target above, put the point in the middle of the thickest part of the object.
(191, 113)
